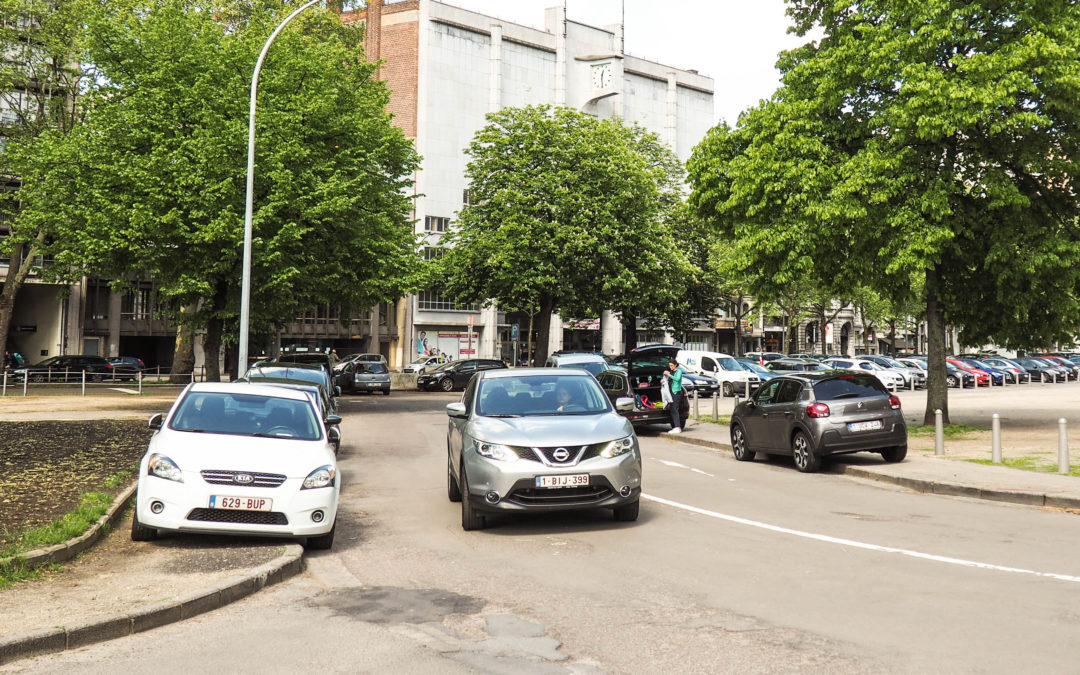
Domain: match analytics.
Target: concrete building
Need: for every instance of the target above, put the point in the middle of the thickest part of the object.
(447, 68)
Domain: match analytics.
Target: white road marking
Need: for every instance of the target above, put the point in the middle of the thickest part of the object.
(858, 544)
(124, 391)
(682, 466)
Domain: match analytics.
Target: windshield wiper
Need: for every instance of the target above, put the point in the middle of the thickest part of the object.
(504, 415)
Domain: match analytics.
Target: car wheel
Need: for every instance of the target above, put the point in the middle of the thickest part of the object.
(743, 453)
(140, 532)
(453, 490)
(386, 392)
(806, 460)
(323, 542)
(729, 390)
(951, 381)
(447, 384)
(895, 454)
(37, 378)
(470, 519)
(628, 513)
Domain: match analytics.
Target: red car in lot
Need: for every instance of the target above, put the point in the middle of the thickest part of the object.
(982, 378)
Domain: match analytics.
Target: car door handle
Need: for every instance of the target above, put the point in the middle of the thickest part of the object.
(788, 413)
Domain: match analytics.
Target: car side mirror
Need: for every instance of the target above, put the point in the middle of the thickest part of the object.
(624, 404)
(456, 410)
(333, 420)
(751, 403)
(156, 420)
(334, 434)
(337, 390)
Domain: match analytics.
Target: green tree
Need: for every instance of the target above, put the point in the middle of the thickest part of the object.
(569, 213)
(933, 139)
(152, 184)
(41, 85)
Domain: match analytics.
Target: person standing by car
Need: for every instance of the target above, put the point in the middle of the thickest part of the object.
(674, 375)
(334, 358)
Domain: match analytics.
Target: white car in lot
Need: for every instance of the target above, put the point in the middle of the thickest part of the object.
(890, 378)
(240, 458)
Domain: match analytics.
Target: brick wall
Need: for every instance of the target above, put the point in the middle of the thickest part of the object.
(393, 35)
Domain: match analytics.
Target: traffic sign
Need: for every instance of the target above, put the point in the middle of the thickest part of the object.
(515, 333)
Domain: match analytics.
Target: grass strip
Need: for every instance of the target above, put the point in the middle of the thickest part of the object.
(951, 431)
(92, 505)
(723, 419)
(1029, 463)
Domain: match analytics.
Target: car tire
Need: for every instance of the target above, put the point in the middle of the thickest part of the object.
(896, 453)
(453, 490)
(627, 513)
(742, 451)
(802, 450)
(951, 381)
(447, 384)
(140, 532)
(386, 392)
(729, 389)
(323, 542)
(470, 519)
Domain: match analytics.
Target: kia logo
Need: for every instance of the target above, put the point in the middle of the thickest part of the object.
(244, 478)
(561, 454)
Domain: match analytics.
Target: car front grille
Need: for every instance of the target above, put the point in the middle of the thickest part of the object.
(547, 455)
(244, 517)
(570, 496)
(226, 477)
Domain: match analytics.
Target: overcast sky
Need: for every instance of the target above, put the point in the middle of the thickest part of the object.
(733, 41)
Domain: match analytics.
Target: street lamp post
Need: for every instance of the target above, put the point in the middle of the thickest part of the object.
(245, 286)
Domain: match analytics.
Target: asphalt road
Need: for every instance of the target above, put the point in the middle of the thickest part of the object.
(731, 567)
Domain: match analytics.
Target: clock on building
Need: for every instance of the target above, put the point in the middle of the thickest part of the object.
(601, 76)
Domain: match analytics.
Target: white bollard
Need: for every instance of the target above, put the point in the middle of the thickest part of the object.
(1063, 447)
(995, 427)
(697, 408)
(83, 383)
(5, 383)
(939, 434)
(716, 407)
(25, 379)
(140, 383)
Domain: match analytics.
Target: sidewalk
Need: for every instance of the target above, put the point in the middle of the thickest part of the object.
(924, 472)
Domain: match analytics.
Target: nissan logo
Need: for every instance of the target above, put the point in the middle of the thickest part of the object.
(561, 454)
(244, 478)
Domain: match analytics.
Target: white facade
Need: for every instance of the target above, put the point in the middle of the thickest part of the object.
(469, 65)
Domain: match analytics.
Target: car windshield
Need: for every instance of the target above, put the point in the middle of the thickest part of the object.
(528, 395)
(443, 367)
(594, 367)
(849, 386)
(753, 367)
(372, 368)
(420, 361)
(246, 415)
(651, 359)
(51, 361)
(316, 375)
(728, 363)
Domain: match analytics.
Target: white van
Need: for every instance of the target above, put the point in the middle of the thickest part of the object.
(733, 378)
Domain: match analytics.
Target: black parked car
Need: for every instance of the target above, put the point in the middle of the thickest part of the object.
(455, 375)
(269, 372)
(68, 368)
(127, 367)
(616, 384)
(812, 415)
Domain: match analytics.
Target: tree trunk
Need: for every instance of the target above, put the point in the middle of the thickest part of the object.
(937, 391)
(212, 349)
(16, 275)
(629, 322)
(529, 344)
(184, 353)
(547, 306)
(892, 335)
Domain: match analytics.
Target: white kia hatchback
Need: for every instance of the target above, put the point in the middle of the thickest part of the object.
(240, 458)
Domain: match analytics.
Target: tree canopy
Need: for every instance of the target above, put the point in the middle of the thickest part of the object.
(931, 140)
(567, 213)
(152, 184)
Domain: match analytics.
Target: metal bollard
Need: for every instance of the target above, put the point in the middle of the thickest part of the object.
(697, 409)
(84, 383)
(140, 383)
(5, 383)
(1063, 447)
(25, 379)
(995, 433)
(912, 382)
(939, 434)
(716, 407)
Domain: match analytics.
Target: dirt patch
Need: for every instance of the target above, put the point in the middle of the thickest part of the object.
(45, 466)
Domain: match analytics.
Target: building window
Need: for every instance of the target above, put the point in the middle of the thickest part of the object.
(137, 304)
(467, 197)
(436, 301)
(436, 224)
(433, 252)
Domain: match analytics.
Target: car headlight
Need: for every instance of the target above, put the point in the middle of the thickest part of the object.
(494, 451)
(322, 477)
(618, 447)
(163, 467)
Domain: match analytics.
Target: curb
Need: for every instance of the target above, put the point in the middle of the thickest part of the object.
(50, 641)
(73, 547)
(927, 486)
